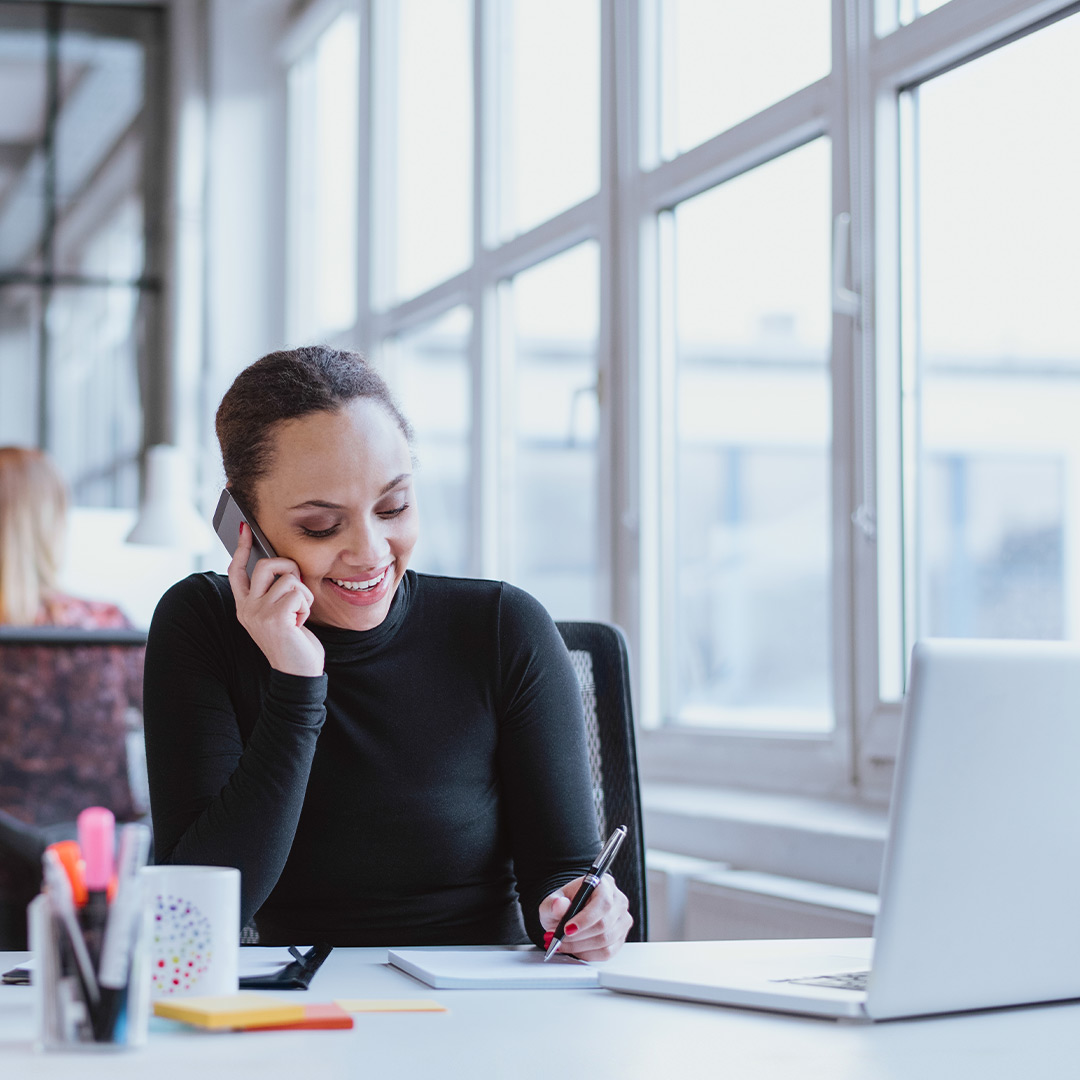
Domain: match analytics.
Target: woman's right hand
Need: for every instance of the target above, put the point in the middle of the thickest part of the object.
(272, 607)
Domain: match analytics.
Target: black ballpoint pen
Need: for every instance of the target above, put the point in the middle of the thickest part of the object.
(599, 868)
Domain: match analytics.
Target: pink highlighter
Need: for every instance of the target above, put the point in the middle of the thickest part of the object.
(97, 832)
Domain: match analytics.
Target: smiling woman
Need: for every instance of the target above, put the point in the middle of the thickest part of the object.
(388, 757)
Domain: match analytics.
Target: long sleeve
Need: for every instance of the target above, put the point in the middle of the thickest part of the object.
(226, 787)
(543, 756)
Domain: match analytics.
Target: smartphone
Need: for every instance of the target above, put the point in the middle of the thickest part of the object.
(227, 518)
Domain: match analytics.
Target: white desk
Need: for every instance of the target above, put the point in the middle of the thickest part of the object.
(546, 1034)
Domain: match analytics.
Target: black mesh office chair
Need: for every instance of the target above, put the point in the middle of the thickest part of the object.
(602, 664)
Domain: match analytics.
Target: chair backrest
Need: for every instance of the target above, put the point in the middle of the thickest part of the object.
(70, 737)
(601, 661)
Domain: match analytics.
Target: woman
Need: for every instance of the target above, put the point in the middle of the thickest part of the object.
(33, 511)
(66, 713)
(389, 757)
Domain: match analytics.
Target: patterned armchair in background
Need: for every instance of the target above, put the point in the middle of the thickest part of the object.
(70, 737)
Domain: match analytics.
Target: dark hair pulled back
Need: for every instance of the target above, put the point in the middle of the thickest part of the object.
(285, 386)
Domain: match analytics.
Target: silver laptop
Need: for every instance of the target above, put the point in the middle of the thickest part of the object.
(980, 887)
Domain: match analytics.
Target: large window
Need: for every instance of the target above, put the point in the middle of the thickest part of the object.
(749, 327)
(323, 104)
(723, 63)
(429, 366)
(993, 356)
(547, 109)
(553, 421)
(423, 123)
(80, 202)
(750, 610)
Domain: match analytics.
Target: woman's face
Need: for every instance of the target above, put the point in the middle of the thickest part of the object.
(339, 502)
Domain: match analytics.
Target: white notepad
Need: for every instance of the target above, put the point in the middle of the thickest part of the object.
(449, 969)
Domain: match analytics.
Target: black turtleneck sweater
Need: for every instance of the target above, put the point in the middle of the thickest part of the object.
(410, 796)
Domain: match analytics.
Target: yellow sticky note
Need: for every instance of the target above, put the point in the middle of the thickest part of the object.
(358, 1005)
(243, 1010)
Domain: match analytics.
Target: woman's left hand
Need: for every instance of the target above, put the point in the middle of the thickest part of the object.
(598, 930)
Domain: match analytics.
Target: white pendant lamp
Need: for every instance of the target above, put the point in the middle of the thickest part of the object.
(167, 515)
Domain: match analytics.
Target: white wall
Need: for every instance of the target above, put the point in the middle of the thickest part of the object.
(245, 203)
(98, 565)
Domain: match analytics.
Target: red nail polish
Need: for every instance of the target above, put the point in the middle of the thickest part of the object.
(548, 935)
(571, 928)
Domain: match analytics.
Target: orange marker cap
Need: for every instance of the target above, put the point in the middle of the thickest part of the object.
(70, 856)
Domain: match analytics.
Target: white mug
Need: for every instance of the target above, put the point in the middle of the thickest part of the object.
(195, 929)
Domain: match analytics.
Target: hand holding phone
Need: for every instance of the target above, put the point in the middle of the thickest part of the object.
(272, 603)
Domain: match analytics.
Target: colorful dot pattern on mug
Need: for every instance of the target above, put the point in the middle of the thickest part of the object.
(181, 954)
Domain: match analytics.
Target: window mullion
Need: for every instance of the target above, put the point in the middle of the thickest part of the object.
(851, 492)
(483, 347)
(953, 33)
(609, 371)
(622, 261)
(781, 127)
(365, 181)
(877, 556)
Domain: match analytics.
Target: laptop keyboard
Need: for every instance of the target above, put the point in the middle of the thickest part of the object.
(847, 980)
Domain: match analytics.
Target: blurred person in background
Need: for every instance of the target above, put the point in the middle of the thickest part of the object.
(33, 517)
(70, 713)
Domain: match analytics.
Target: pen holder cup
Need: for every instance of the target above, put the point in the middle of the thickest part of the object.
(68, 1015)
